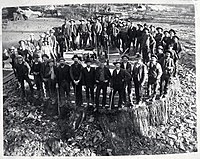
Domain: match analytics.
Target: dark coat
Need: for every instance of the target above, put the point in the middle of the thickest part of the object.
(119, 80)
(128, 67)
(63, 74)
(107, 74)
(132, 32)
(167, 66)
(21, 70)
(76, 72)
(36, 69)
(89, 77)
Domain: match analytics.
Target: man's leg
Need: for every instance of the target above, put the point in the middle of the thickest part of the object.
(97, 95)
(104, 94)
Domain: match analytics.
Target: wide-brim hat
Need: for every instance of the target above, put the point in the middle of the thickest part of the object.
(166, 31)
(125, 56)
(51, 31)
(175, 37)
(152, 26)
(75, 56)
(172, 30)
(159, 28)
(45, 55)
(22, 41)
(88, 60)
(146, 29)
(19, 56)
(116, 62)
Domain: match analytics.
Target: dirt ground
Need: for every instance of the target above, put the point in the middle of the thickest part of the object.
(183, 114)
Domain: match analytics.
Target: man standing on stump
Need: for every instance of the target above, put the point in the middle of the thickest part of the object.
(139, 75)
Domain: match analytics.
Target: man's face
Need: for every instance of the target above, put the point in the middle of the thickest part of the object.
(62, 62)
(76, 59)
(171, 33)
(117, 65)
(20, 60)
(138, 60)
(167, 34)
(50, 64)
(167, 54)
(36, 59)
(45, 58)
(159, 30)
(125, 59)
(160, 51)
(88, 64)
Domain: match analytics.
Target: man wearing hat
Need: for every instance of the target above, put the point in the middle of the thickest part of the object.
(36, 70)
(166, 40)
(89, 81)
(118, 80)
(53, 42)
(22, 71)
(72, 34)
(83, 32)
(159, 36)
(65, 32)
(97, 29)
(22, 50)
(126, 66)
(160, 52)
(32, 40)
(63, 80)
(76, 77)
(139, 75)
(139, 33)
(168, 67)
(113, 32)
(154, 75)
(131, 36)
(102, 78)
(147, 45)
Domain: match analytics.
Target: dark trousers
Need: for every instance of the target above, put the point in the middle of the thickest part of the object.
(164, 83)
(138, 90)
(78, 94)
(114, 42)
(83, 40)
(46, 86)
(138, 45)
(152, 86)
(72, 43)
(145, 54)
(38, 82)
(64, 89)
(116, 89)
(101, 86)
(90, 91)
(21, 81)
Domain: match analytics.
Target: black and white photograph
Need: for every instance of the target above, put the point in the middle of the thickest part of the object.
(106, 79)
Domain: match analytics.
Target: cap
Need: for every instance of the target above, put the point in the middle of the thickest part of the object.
(12, 48)
(125, 56)
(172, 30)
(22, 41)
(36, 56)
(45, 55)
(19, 56)
(50, 60)
(175, 37)
(71, 20)
(166, 31)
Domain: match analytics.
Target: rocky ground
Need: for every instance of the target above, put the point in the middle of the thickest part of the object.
(31, 130)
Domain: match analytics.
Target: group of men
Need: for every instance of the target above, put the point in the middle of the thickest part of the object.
(156, 61)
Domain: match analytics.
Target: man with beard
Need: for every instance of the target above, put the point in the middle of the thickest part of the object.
(89, 81)
(76, 77)
(63, 80)
(139, 75)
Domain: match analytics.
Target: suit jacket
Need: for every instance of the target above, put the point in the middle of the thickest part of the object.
(128, 67)
(119, 80)
(139, 72)
(167, 66)
(107, 74)
(63, 74)
(89, 77)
